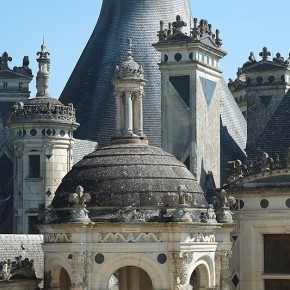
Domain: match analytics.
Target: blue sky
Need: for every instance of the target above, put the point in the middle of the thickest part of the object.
(66, 26)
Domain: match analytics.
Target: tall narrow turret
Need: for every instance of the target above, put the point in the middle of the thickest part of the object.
(89, 87)
(42, 148)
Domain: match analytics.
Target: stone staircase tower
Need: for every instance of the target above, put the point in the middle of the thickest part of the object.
(89, 87)
(43, 146)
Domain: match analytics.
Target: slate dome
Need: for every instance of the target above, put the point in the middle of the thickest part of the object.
(129, 175)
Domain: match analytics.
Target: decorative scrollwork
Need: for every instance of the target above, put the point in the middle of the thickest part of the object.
(58, 238)
(130, 238)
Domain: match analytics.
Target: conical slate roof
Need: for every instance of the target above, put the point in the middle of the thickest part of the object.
(89, 87)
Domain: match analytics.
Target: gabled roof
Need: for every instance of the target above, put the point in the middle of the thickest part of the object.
(263, 65)
(10, 74)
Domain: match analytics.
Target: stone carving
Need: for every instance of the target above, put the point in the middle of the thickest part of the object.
(225, 270)
(24, 69)
(278, 58)
(78, 266)
(78, 201)
(180, 263)
(183, 197)
(223, 202)
(265, 161)
(234, 170)
(42, 77)
(178, 24)
(237, 170)
(10, 268)
(58, 238)
(201, 238)
(4, 59)
(265, 53)
(199, 32)
(209, 216)
(129, 68)
(49, 111)
(130, 238)
(130, 214)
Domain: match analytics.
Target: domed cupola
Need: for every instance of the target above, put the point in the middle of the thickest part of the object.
(129, 180)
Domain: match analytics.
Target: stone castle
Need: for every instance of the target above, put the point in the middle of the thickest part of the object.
(207, 211)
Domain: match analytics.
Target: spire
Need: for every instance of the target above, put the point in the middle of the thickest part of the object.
(129, 89)
(42, 78)
(130, 57)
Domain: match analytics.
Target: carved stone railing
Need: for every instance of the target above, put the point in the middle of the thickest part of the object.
(236, 169)
(28, 112)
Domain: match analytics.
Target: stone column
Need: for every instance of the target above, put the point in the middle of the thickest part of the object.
(78, 265)
(123, 278)
(138, 114)
(120, 113)
(129, 114)
(133, 278)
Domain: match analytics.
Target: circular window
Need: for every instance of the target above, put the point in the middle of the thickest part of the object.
(165, 57)
(33, 132)
(287, 202)
(259, 80)
(161, 258)
(177, 56)
(191, 56)
(62, 133)
(271, 79)
(99, 258)
(264, 203)
(242, 204)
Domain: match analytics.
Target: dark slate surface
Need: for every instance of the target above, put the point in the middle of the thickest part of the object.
(89, 87)
(83, 148)
(233, 130)
(275, 138)
(129, 175)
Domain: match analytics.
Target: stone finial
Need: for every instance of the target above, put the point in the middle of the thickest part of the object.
(278, 58)
(235, 170)
(218, 41)
(161, 33)
(265, 161)
(265, 53)
(223, 202)
(184, 198)
(178, 24)
(42, 78)
(4, 59)
(252, 57)
(78, 201)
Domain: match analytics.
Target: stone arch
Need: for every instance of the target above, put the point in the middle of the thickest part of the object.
(54, 266)
(159, 277)
(205, 271)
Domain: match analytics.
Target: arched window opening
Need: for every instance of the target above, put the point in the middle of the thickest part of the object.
(130, 278)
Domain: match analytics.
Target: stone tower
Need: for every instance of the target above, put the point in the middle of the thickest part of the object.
(191, 95)
(14, 87)
(43, 146)
(89, 87)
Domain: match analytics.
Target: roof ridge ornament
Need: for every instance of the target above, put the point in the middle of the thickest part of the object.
(4, 59)
(265, 53)
(42, 78)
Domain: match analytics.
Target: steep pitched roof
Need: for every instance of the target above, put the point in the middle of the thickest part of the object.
(275, 138)
(233, 130)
